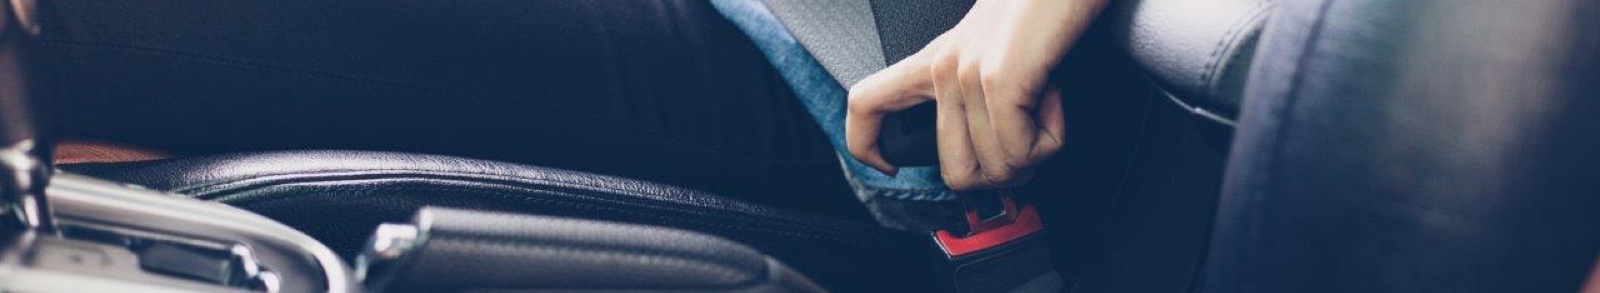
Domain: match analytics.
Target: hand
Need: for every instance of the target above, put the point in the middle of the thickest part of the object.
(997, 115)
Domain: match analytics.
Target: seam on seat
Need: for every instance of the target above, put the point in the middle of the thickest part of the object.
(260, 181)
(226, 194)
(519, 197)
(1218, 54)
(270, 179)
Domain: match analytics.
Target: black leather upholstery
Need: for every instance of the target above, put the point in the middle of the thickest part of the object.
(1416, 146)
(339, 196)
(472, 251)
(1198, 50)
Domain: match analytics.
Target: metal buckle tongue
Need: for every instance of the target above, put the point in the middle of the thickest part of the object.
(1001, 249)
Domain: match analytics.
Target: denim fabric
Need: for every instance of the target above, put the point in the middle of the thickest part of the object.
(916, 198)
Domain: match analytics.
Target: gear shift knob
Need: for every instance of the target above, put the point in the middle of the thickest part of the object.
(24, 155)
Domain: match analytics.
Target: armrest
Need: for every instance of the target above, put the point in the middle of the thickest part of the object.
(446, 250)
(1199, 51)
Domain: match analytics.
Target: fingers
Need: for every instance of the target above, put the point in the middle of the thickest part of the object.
(957, 163)
(973, 69)
(985, 144)
(1052, 126)
(1012, 108)
(973, 154)
(896, 88)
(996, 118)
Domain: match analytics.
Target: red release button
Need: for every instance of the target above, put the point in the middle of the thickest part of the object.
(1026, 223)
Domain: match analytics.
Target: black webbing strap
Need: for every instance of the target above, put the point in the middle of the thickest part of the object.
(905, 26)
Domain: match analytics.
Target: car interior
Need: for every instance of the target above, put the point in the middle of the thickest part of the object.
(1212, 146)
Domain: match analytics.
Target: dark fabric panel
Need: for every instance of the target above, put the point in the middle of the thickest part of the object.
(662, 90)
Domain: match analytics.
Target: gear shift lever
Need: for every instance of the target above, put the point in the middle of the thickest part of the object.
(24, 160)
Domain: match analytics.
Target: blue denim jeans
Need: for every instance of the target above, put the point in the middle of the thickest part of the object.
(915, 198)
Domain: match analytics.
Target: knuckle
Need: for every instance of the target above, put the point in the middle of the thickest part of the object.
(991, 79)
(969, 73)
(858, 105)
(975, 184)
(943, 66)
(962, 183)
(855, 91)
(860, 150)
(996, 85)
(955, 185)
(948, 170)
(959, 185)
(998, 70)
(943, 72)
(959, 178)
(1050, 148)
(1003, 91)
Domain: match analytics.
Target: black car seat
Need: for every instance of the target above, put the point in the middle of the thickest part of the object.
(338, 196)
(1416, 146)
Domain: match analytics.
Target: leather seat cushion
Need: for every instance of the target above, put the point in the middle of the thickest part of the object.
(339, 196)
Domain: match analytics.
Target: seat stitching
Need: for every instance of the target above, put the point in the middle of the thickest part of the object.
(216, 191)
(1238, 28)
(262, 181)
(518, 196)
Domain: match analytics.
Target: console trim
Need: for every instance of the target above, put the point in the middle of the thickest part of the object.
(77, 197)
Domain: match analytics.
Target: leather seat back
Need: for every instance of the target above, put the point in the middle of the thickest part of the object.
(1416, 146)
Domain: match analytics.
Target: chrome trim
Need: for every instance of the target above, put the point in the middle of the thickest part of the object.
(292, 256)
(22, 193)
(270, 282)
(392, 240)
(1198, 111)
(389, 242)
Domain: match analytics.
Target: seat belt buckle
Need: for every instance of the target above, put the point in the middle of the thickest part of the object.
(1001, 248)
(993, 219)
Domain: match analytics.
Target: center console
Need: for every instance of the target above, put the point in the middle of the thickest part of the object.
(110, 237)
